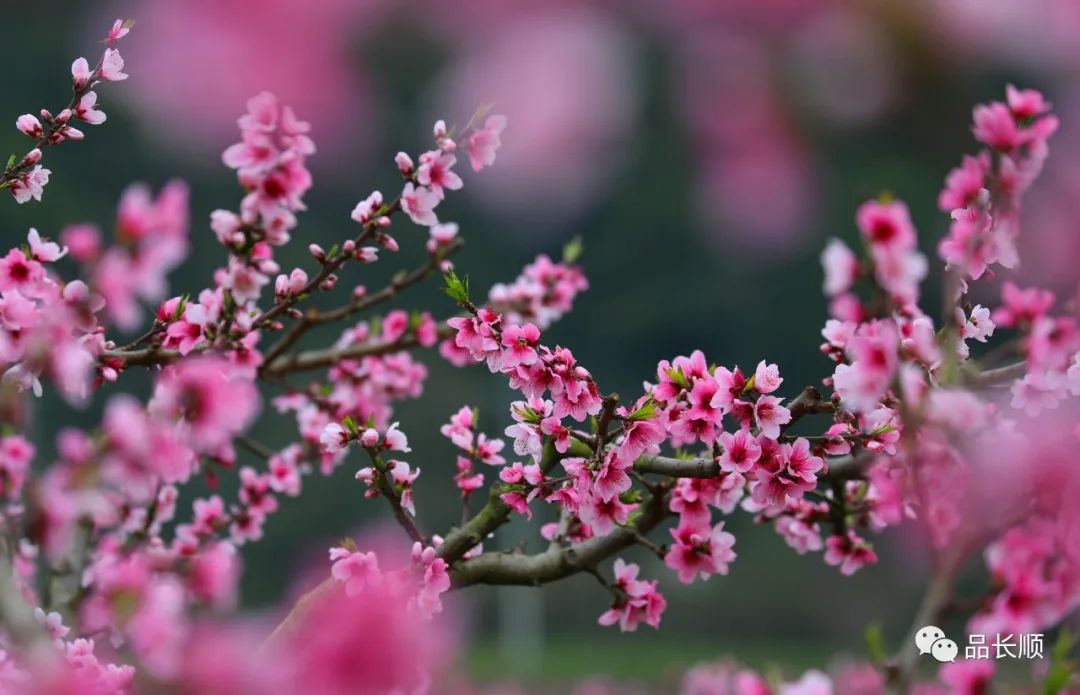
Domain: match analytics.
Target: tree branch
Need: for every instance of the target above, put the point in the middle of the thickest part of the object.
(557, 563)
(318, 359)
(494, 514)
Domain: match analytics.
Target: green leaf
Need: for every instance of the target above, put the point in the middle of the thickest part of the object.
(1062, 668)
(456, 288)
(573, 250)
(875, 642)
(647, 411)
(10, 161)
(350, 424)
(678, 378)
(180, 307)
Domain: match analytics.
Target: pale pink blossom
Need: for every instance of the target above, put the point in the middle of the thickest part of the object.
(419, 204)
(484, 143)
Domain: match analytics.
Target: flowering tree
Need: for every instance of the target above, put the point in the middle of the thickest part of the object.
(112, 581)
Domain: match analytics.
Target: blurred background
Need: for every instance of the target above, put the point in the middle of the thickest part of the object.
(702, 149)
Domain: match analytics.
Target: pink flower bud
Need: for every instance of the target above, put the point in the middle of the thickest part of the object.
(387, 242)
(29, 125)
(349, 246)
(369, 438)
(317, 251)
(444, 232)
(80, 73)
(404, 163)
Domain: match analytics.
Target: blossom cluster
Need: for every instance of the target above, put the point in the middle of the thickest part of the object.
(25, 177)
(133, 572)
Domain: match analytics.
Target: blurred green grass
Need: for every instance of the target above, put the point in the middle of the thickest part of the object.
(659, 661)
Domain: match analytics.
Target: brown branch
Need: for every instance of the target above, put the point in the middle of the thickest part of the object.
(808, 402)
(494, 514)
(999, 376)
(308, 360)
(156, 355)
(937, 597)
(16, 616)
(388, 488)
(397, 284)
(557, 563)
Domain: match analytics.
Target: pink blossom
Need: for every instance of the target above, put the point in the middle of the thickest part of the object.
(29, 125)
(1021, 307)
(86, 109)
(444, 233)
(641, 436)
(730, 384)
(873, 355)
(214, 403)
(354, 569)
(185, 334)
(520, 343)
(112, 66)
(436, 173)
(994, 125)
(813, 682)
(770, 415)
(466, 479)
(484, 143)
(16, 453)
(395, 440)
(80, 72)
(638, 601)
(17, 272)
(419, 204)
(886, 224)
(214, 575)
(700, 551)
(963, 184)
(977, 325)
(740, 451)
(967, 676)
(612, 479)
(604, 515)
(801, 535)
(841, 267)
(31, 185)
(849, 552)
(42, 250)
(767, 377)
(284, 471)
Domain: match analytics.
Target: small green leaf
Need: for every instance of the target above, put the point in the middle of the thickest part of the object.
(456, 288)
(678, 378)
(180, 307)
(1062, 668)
(573, 250)
(875, 642)
(647, 411)
(350, 424)
(10, 161)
